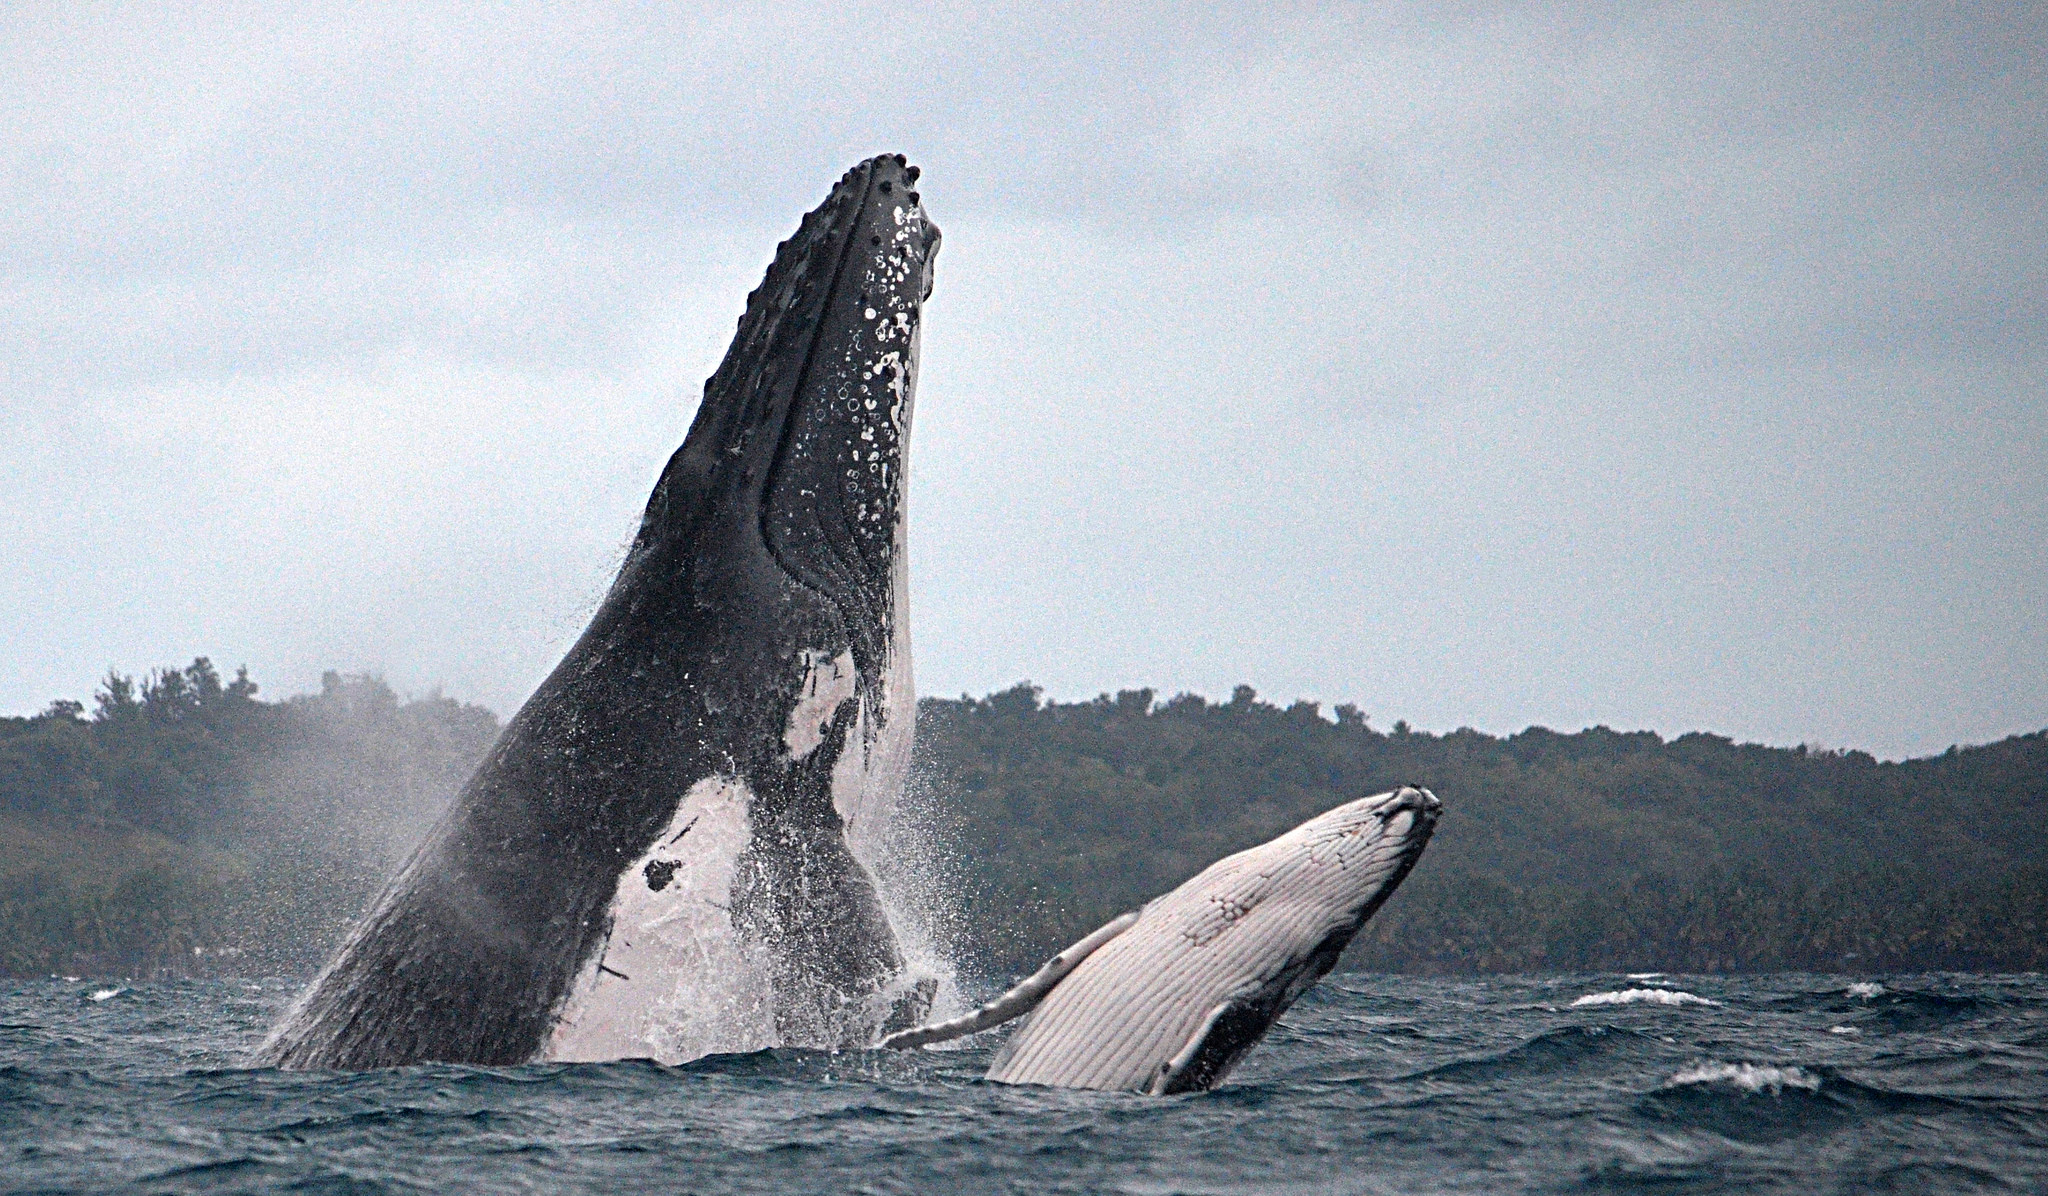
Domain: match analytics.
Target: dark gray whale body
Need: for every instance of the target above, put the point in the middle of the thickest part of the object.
(662, 855)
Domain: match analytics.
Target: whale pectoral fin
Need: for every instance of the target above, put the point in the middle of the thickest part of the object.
(1231, 1029)
(1019, 1000)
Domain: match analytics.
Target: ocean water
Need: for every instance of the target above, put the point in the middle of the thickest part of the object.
(1805, 1084)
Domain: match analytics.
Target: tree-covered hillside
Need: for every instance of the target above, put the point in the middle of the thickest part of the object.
(186, 825)
(1599, 849)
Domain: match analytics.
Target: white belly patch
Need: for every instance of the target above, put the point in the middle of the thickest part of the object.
(673, 981)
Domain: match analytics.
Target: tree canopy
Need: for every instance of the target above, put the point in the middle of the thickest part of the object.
(1599, 849)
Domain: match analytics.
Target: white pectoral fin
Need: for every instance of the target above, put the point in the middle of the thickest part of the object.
(1019, 1000)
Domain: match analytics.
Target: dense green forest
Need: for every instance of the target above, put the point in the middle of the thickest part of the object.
(1599, 850)
(185, 825)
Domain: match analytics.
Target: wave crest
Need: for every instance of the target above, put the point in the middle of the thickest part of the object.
(1749, 1077)
(1650, 996)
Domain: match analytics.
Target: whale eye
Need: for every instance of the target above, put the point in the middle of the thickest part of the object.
(886, 187)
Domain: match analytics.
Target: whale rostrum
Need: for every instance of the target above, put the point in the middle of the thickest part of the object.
(1168, 998)
(670, 850)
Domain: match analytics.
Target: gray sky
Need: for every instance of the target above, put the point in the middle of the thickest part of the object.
(1659, 367)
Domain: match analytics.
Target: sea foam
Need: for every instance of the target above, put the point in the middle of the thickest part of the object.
(1649, 996)
(1749, 1077)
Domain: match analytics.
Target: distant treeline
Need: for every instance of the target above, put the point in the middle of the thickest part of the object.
(183, 825)
(1599, 850)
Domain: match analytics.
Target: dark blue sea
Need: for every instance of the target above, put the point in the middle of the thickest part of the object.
(1805, 1084)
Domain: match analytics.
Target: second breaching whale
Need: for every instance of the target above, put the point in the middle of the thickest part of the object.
(1168, 998)
(670, 851)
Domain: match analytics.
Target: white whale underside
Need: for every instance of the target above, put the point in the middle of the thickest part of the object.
(1128, 1006)
(673, 980)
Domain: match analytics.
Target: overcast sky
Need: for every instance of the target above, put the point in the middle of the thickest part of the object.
(1674, 368)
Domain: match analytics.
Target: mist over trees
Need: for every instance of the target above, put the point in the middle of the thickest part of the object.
(184, 825)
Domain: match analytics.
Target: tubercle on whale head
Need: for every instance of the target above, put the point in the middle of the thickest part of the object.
(1425, 806)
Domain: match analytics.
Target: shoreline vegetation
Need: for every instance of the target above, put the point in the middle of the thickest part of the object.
(185, 826)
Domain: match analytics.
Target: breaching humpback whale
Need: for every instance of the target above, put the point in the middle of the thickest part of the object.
(668, 850)
(1169, 997)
